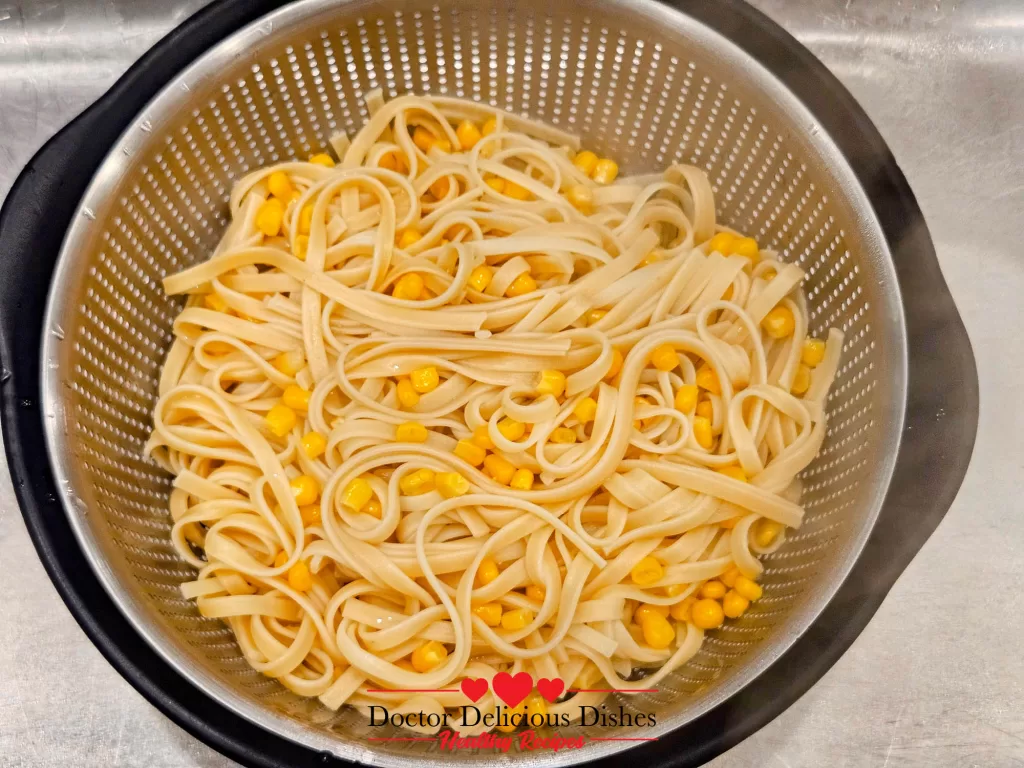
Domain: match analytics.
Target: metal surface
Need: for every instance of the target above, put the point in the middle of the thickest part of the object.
(863, 736)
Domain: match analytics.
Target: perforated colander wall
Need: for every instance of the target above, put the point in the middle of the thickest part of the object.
(637, 82)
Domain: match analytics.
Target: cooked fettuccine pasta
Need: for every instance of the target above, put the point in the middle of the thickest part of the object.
(462, 401)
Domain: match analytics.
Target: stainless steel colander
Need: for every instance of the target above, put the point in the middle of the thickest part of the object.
(640, 82)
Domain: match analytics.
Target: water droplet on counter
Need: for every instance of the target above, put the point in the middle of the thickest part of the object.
(57, 332)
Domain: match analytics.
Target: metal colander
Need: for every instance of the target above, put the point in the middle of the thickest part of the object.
(638, 81)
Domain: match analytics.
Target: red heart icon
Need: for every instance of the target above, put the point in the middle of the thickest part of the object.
(512, 690)
(550, 689)
(474, 689)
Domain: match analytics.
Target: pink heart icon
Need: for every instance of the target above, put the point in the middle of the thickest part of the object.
(512, 690)
(550, 689)
(474, 689)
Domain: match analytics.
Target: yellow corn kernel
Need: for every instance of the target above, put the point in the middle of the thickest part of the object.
(521, 285)
(686, 398)
(734, 604)
(734, 471)
(516, 619)
(306, 219)
(746, 247)
(429, 655)
(707, 614)
(551, 382)
(468, 134)
(517, 192)
(652, 258)
(813, 352)
(768, 275)
(730, 523)
(749, 588)
(534, 704)
(300, 247)
(616, 365)
(408, 397)
(585, 161)
(451, 484)
(404, 664)
(646, 610)
(801, 380)
(713, 589)
(499, 468)
(280, 419)
(664, 357)
(729, 577)
(269, 218)
(605, 171)
(511, 429)
(423, 138)
(708, 379)
(314, 444)
(279, 185)
(411, 432)
(581, 198)
(388, 161)
(766, 531)
(425, 379)
(681, 610)
(482, 439)
(281, 559)
(490, 126)
(310, 514)
(702, 432)
(595, 315)
(407, 237)
(489, 613)
(705, 409)
(373, 508)
(673, 589)
(585, 410)
(295, 397)
(415, 483)
(535, 592)
(299, 577)
(514, 717)
(215, 302)
(779, 323)
(440, 187)
(305, 489)
(647, 571)
(323, 159)
(658, 631)
(563, 435)
(480, 278)
(487, 572)
(409, 287)
(470, 453)
(728, 293)
(722, 242)
(522, 480)
(357, 493)
(496, 183)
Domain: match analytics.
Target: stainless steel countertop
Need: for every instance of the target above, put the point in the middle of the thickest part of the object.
(936, 680)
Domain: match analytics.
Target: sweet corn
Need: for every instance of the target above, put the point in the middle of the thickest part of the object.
(425, 379)
(585, 410)
(481, 438)
(766, 531)
(279, 185)
(299, 577)
(563, 435)
(686, 398)
(813, 352)
(499, 468)
(768, 275)
(356, 495)
(280, 419)
(749, 588)
(646, 610)
(702, 432)
(300, 247)
(281, 559)
(310, 514)
(440, 187)
(408, 397)
(581, 198)
(585, 161)
(801, 380)
(705, 409)
(215, 302)
(423, 138)
(651, 258)
(269, 217)
(415, 483)
(407, 237)
(295, 397)
(521, 285)
(664, 357)
(734, 604)
(779, 323)
(305, 489)
(487, 572)
(408, 287)
(489, 613)
(729, 577)
(707, 614)
(306, 219)
(517, 192)
(534, 704)
(314, 444)
(411, 432)
(535, 592)
(511, 429)
(470, 453)
(522, 480)
(516, 619)
(480, 278)
(605, 171)
(323, 159)
(616, 365)
(373, 508)
(468, 134)
(647, 571)
(496, 183)
(722, 242)
(658, 631)
(404, 664)
(746, 247)
(388, 161)
(551, 382)
(673, 589)
(513, 718)
(490, 126)
(451, 484)
(708, 379)
(734, 471)
(429, 655)
(713, 589)
(595, 315)
(681, 610)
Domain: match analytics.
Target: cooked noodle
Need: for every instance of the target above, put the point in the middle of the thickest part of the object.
(631, 486)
